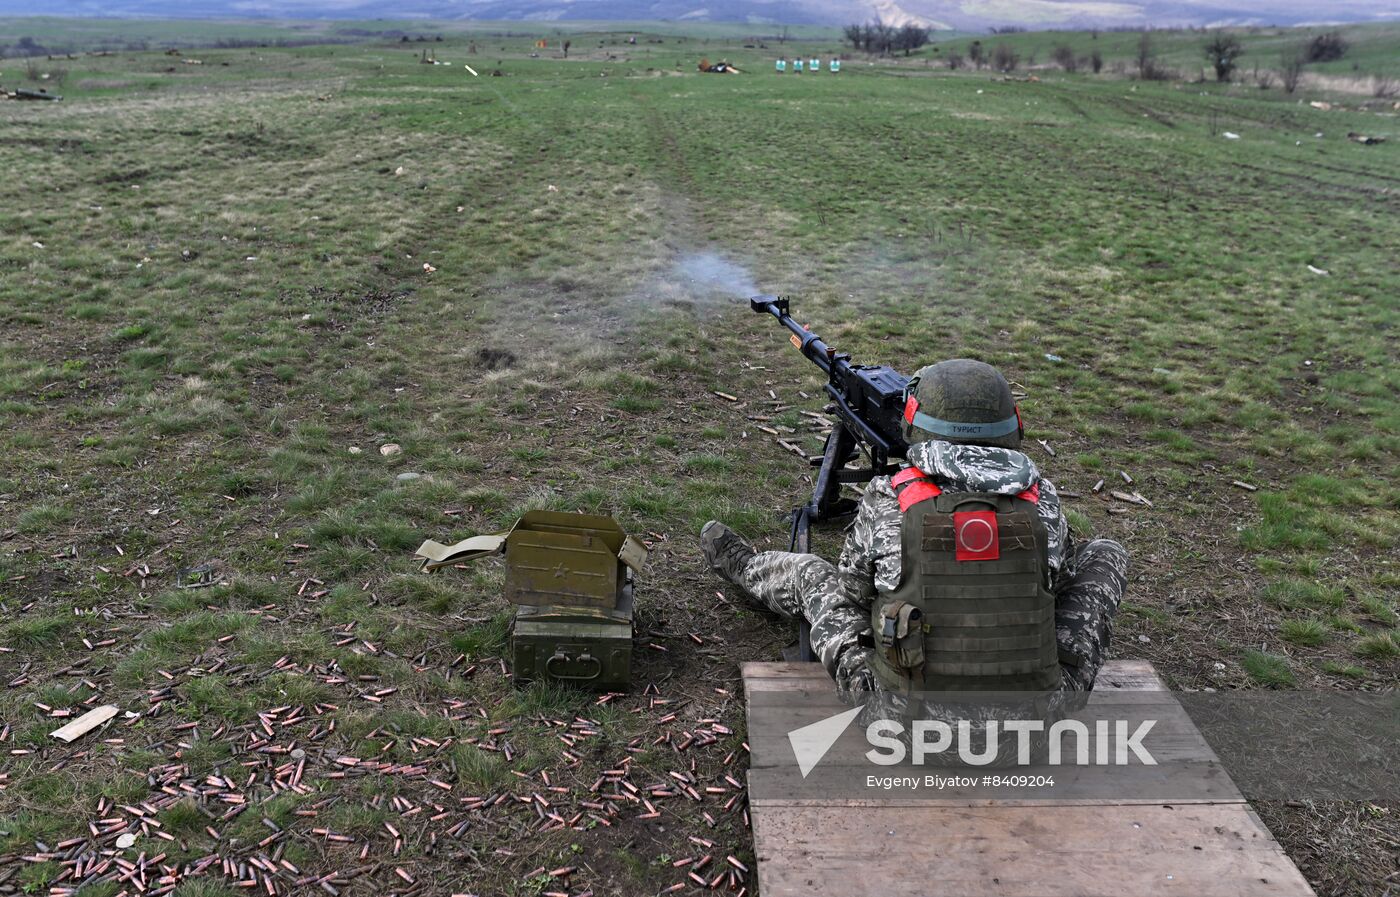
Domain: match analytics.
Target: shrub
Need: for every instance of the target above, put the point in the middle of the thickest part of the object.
(1327, 47)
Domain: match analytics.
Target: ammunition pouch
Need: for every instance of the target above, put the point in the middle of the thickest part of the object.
(901, 636)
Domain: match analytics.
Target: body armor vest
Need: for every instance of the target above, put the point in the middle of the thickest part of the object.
(973, 611)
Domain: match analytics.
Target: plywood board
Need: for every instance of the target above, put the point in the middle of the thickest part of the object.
(1210, 847)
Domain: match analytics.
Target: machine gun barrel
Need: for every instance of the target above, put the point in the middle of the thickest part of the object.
(867, 398)
(867, 402)
(811, 345)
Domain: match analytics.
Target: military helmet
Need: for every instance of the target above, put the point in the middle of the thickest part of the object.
(961, 401)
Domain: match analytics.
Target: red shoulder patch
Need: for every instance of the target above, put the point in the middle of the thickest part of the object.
(912, 486)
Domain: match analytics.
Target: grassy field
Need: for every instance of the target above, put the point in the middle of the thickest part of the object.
(226, 286)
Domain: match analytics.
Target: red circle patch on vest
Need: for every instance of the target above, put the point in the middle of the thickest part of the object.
(977, 536)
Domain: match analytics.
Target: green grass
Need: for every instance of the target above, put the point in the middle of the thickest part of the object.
(1380, 609)
(1303, 632)
(1270, 670)
(1350, 671)
(36, 633)
(1291, 594)
(1380, 646)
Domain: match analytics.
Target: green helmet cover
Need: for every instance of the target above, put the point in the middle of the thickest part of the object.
(961, 401)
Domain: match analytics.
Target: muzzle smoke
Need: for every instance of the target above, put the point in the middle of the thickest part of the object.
(706, 276)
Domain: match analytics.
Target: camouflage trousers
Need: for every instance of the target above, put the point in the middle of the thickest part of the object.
(804, 585)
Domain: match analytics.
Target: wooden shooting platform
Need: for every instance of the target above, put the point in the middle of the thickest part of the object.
(1215, 847)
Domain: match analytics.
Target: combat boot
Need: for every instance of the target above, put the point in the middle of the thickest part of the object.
(726, 551)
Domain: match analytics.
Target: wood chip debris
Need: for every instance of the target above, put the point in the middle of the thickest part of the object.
(85, 723)
(1132, 498)
(792, 448)
(1243, 485)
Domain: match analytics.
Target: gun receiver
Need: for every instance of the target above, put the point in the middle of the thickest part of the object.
(867, 401)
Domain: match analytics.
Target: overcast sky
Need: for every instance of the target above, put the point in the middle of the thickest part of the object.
(962, 13)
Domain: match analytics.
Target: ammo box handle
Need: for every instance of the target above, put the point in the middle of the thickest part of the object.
(585, 657)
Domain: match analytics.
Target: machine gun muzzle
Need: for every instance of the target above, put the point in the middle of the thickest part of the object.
(769, 305)
(807, 342)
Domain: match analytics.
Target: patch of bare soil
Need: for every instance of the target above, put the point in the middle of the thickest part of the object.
(344, 307)
(1343, 848)
(494, 359)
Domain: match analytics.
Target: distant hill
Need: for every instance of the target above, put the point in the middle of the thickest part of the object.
(960, 14)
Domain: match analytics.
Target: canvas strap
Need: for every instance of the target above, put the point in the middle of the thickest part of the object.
(436, 555)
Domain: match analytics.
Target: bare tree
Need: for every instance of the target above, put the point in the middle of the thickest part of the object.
(910, 37)
(1222, 52)
(1004, 59)
(955, 60)
(1385, 86)
(1096, 60)
(1063, 55)
(1291, 69)
(1146, 58)
(977, 54)
(877, 37)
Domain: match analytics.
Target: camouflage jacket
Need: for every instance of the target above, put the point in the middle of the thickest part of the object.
(870, 560)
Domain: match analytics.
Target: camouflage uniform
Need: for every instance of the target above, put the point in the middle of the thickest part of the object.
(1088, 579)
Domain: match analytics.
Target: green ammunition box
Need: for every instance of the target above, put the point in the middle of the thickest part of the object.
(587, 646)
(570, 577)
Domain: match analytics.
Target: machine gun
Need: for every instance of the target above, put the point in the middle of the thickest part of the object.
(867, 401)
